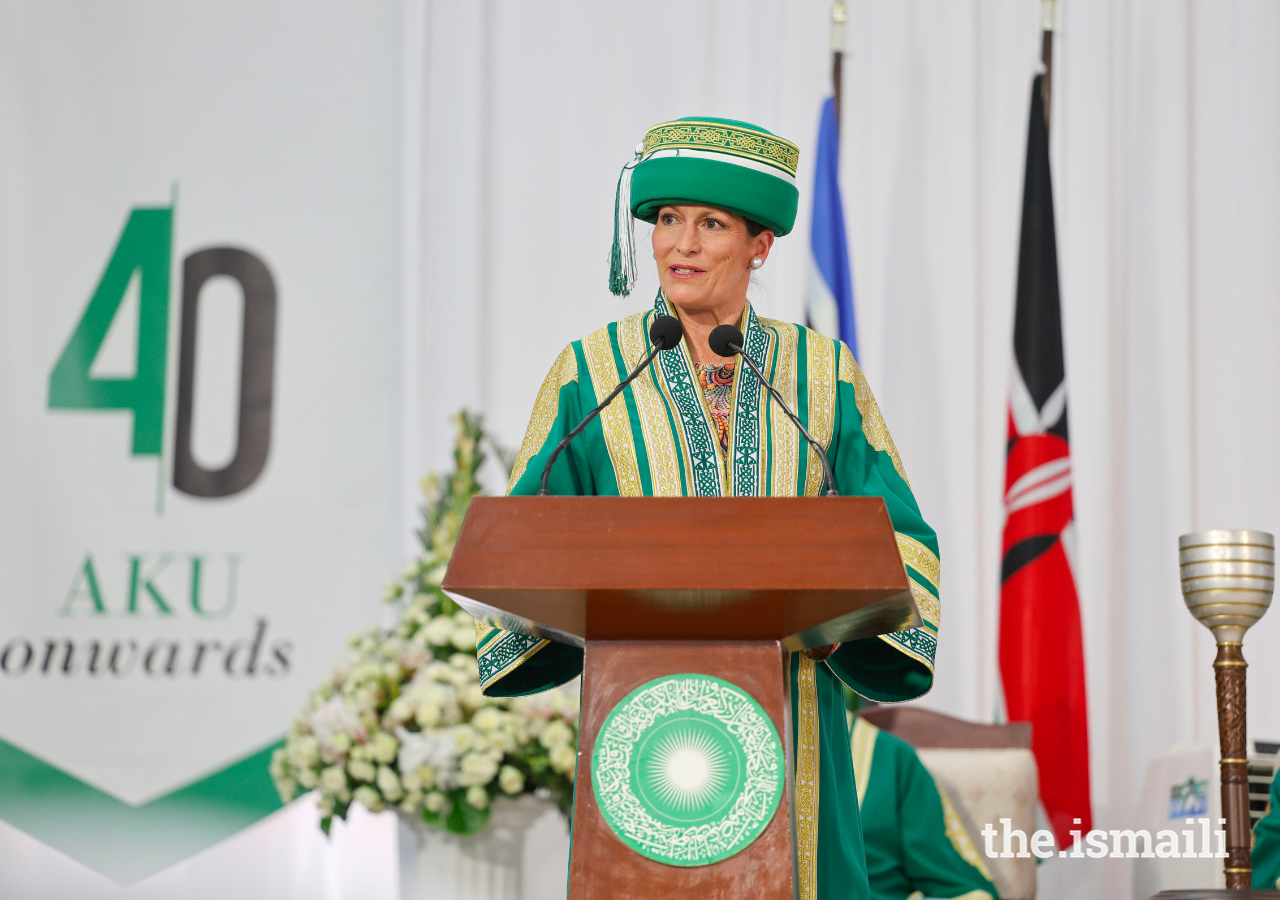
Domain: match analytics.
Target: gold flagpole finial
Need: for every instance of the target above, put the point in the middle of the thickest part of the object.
(1048, 15)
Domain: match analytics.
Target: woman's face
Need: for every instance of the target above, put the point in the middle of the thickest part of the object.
(704, 256)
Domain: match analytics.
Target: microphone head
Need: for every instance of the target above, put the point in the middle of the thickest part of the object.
(665, 332)
(720, 339)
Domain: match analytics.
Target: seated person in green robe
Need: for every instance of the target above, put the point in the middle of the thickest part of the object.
(1266, 845)
(915, 843)
(696, 424)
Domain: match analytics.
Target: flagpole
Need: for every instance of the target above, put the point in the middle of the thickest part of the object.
(1048, 16)
(837, 53)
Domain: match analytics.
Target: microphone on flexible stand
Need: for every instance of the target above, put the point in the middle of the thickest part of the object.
(725, 340)
(664, 333)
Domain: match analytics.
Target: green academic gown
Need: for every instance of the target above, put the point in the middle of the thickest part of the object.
(1266, 847)
(657, 439)
(916, 844)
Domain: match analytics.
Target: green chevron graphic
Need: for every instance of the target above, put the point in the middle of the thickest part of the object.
(127, 843)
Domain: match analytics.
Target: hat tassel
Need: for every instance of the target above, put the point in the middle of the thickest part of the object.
(622, 260)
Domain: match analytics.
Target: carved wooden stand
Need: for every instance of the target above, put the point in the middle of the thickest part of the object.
(1229, 671)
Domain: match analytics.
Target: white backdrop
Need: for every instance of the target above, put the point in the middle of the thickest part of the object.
(1166, 120)
(510, 122)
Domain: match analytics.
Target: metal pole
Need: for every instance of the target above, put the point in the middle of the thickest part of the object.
(1048, 24)
(837, 53)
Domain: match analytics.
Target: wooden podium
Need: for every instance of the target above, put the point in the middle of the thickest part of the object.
(653, 587)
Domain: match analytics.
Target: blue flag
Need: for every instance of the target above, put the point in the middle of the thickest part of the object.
(829, 294)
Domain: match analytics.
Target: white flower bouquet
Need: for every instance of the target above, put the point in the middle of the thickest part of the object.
(402, 722)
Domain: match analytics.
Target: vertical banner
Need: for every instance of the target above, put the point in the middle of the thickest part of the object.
(199, 452)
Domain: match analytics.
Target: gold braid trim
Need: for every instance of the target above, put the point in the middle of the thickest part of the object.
(721, 137)
(872, 422)
(960, 839)
(664, 466)
(822, 404)
(930, 608)
(921, 558)
(785, 446)
(807, 777)
(597, 349)
(545, 409)
(863, 746)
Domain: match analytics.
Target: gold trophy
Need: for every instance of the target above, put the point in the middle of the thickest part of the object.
(1227, 581)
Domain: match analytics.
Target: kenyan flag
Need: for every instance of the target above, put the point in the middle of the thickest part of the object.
(1041, 642)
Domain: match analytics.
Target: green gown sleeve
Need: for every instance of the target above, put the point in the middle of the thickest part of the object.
(911, 843)
(1266, 849)
(511, 664)
(899, 666)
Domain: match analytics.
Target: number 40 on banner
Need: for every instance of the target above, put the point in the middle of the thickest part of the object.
(145, 250)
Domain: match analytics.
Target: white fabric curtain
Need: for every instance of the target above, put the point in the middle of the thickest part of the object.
(1165, 126)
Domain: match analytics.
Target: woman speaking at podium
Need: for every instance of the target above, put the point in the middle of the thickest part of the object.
(718, 192)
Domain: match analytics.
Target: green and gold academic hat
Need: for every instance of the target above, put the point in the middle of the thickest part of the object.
(711, 162)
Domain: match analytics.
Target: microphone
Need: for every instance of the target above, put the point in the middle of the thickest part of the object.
(664, 333)
(725, 340)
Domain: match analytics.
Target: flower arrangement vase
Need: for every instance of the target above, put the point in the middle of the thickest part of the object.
(488, 865)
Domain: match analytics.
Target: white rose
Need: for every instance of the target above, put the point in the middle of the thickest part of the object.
(434, 802)
(307, 777)
(563, 758)
(477, 797)
(287, 788)
(464, 737)
(389, 784)
(511, 780)
(465, 620)
(277, 763)
(368, 798)
(467, 663)
(333, 717)
(439, 671)
(487, 719)
(477, 768)
(325, 805)
(411, 571)
(464, 637)
(400, 710)
(304, 752)
(361, 770)
(554, 734)
(440, 630)
(502, 740)
(473, 696)
(333, 780)
(383, 747)
(411, 781)
(412, 803)
(436, 575)
(431, 754)
(414, 657)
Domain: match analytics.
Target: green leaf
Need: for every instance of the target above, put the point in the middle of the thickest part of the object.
(465, 818)
(434, 819)
(325, 824)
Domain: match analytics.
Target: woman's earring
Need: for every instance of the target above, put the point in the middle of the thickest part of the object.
(756, 262)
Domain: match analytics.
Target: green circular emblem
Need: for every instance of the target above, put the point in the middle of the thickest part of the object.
(688, 769)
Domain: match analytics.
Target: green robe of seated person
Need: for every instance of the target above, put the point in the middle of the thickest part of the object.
(916, 845)
(661, 438)
(1266, 846)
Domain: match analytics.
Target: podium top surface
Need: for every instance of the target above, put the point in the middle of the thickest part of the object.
(807, 571)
